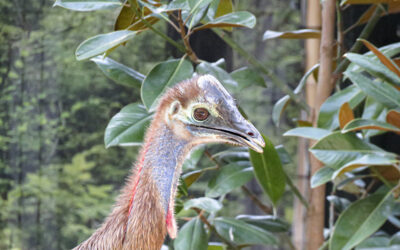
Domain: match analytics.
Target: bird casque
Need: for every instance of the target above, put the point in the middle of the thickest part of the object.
(193, 112)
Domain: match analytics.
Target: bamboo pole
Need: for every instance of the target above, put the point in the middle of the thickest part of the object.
(316, 212)
(313, 21)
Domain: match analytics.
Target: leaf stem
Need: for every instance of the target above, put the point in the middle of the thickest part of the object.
(212, 228)
(369, 27)
(266, 209)
(155, 30)
(189, 51)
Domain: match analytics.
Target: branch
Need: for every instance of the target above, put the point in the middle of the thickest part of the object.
(150, 26)
(212, 228)
(262, 206)
(189, 51)
(369, 27)
(258, 65)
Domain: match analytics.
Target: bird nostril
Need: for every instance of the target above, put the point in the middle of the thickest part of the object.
(250, 134)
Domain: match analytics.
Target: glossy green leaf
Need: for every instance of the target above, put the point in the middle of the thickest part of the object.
(118, 72)
(224, 77)
(228, 178)
(241, 233)
(296, 34)
(178, 5)
(163, 76)
(198, 4)
(376, 243)
(295, 190)
(337, 149)
(373, 110)
(88, 5)
(279, 108)
(204, 203)
(234, 19)
(128, 126)
(101, 43)
(224, 7)
(358, 124)
(388, 50)
(191, 162)
(329, 111)
(360, 220)
(233, 154)
(322, 176)
(284, 156)
(267, 222)
(216, 246)
(308, 132)
(367, 160)
(191, 177)
(269, 172)
(380, 91)
(246, 77)
(192, 236)
(374, 67)
(282, 103)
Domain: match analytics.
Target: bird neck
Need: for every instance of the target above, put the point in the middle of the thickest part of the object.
(144, 211)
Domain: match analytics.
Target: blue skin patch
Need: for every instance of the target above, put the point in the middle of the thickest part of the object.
(163, 160)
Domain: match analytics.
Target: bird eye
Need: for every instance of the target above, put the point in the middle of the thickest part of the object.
(200, 114)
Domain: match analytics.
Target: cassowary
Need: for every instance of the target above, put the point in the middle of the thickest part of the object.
(193, 112)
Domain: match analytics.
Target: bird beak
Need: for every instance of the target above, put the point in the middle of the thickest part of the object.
(242, 132)
(232, 129)
(245, 134)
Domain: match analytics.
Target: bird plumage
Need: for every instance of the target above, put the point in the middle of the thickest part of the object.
(194, 112)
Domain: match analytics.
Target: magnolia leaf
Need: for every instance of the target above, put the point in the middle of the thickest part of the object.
(192, 236)
(359, 124)
(224, 77)
(241, 233)
(101, 43)
(373, 67)
(308, 132)
(118, 72)
(322, 176)
(385, 60)
(329, 111)
(337, 149)
(267, 222)
(346, 115)
(366, 160)
(360, 220)
(269, 172)
(128, 126)
(228, 178)
(163, 76)
(393, 117)
(296, 34)
(191, 177)
(204, 203)
(88, 5)
(234, 19)
(380, 91)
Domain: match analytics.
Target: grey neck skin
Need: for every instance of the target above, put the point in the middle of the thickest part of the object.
(164, 157)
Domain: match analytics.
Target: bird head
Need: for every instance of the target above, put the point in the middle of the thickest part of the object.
(202, 111)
